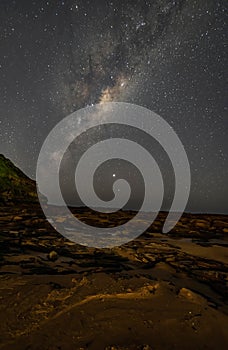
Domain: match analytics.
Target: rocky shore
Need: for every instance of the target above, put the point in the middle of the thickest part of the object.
(156, 292)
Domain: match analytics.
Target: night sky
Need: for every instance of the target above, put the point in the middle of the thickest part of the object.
(168, 56)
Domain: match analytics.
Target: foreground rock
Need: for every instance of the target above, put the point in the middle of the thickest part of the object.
(156, 292)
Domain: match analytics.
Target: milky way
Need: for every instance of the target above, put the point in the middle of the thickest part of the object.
(168, 56)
